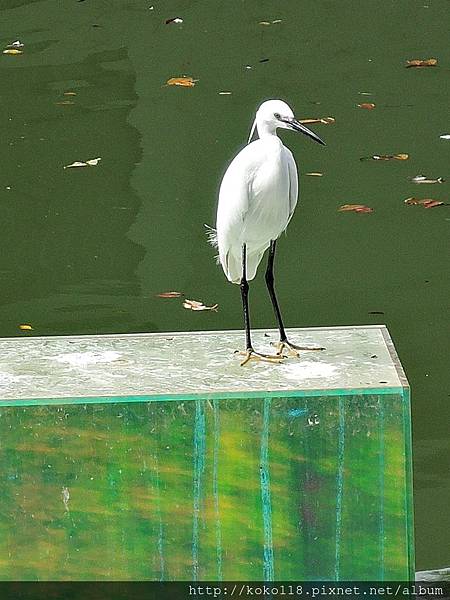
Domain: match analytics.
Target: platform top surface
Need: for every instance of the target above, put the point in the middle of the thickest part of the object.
(195, 363)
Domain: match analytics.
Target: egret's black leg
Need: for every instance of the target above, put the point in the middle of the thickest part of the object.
(249, 351)
(270, 286)
(244, 294)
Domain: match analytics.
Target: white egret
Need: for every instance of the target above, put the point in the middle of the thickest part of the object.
(257, 198)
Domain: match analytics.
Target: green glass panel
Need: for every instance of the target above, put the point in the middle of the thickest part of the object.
(276, 484)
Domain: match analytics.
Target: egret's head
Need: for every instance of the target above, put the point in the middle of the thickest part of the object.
(274, 114)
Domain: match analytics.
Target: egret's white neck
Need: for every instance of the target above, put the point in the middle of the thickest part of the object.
(266, 128)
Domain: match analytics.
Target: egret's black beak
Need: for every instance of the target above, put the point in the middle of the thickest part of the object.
(296, 126)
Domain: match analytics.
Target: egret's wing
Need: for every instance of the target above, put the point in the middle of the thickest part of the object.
(231, 211)
(293, 183)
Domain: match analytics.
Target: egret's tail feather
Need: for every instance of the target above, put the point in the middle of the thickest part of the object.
(211, 234)
(232, 265)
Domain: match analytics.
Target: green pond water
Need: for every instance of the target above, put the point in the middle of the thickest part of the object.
(86, 250)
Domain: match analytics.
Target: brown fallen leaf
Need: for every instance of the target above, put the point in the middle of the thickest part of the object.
(170, 294)
(12, 51)
(26, 327)
(423, 179)
(196, 305)
(182, 81)
(426, 203)
(386, 157)
(417, 62)
(367, 105)
(355, 208)
(324, 120)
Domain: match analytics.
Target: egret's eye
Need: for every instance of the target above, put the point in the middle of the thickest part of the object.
(277, 115)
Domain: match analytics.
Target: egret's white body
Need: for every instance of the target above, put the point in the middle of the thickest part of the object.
(257, 199)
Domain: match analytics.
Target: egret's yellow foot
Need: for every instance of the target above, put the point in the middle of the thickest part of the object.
(292, 348)
(250, 354)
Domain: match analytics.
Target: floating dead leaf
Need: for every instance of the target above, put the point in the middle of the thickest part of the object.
(386, 157)
(174, 20)
(423, 179)
(26, 327)
(70, 94)
(182, 81)
(367, 105)
(355, 208)
(417, 62)
(170, 294)
(197, 305)
(12, 51)
(426, 203)
(274, 22)
(89, 163)
(314, 174)
(324, 120)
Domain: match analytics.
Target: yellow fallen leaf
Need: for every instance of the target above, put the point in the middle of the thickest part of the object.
(401, 156)
(428, 62)
(324, 120)
(12, 51)
(25, 327)
(182, 81)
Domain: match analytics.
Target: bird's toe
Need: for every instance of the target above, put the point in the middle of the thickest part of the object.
(251, 354)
